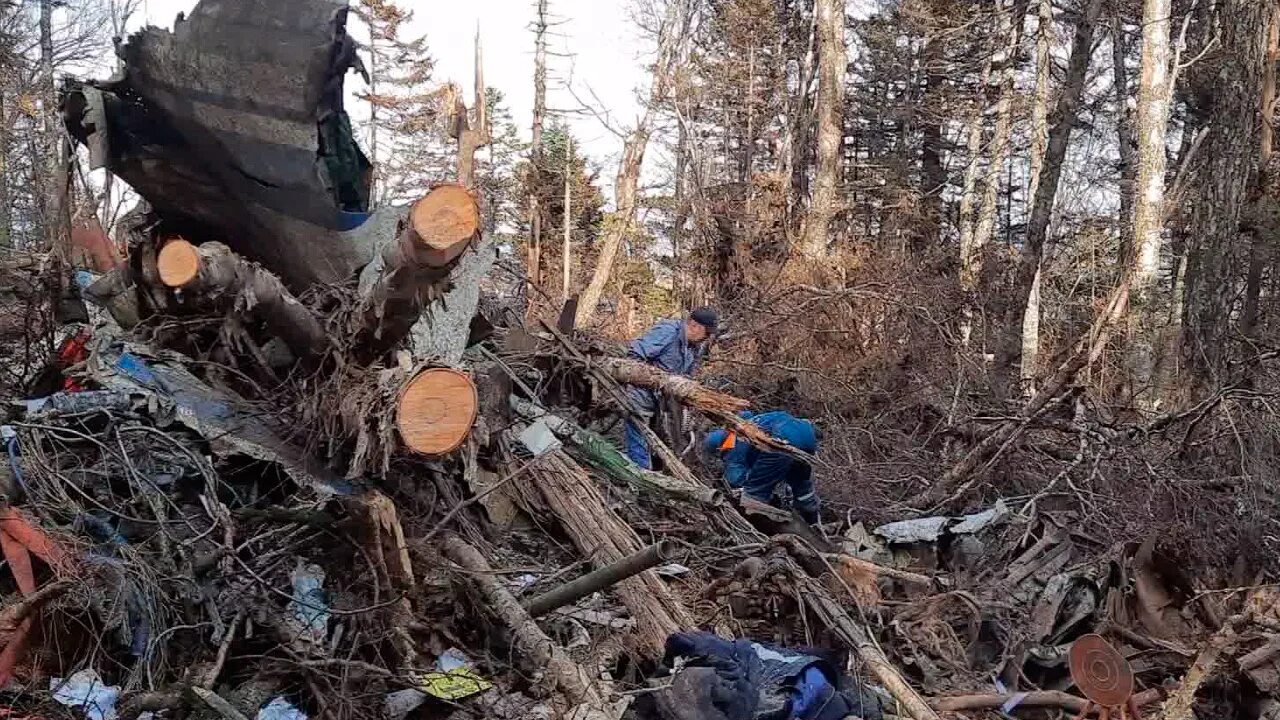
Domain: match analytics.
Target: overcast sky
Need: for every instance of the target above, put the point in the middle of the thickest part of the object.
(607, 55)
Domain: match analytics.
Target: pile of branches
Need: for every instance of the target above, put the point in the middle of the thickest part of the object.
(289, 469)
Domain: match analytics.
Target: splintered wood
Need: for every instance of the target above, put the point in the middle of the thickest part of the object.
(436, 411)
(599, 534)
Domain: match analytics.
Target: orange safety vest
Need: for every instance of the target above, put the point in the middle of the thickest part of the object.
(730, 440)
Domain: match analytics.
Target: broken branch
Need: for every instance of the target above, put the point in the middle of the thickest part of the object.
(532, 642)
(605, 577)
(1040, 699)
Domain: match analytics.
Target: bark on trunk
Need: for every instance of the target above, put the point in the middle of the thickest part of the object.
(832, 62)
(800, 122)
(1039, 144)
(834, 616)
(933, 175)
(413, 270)
(1225, 170)
(602, 536)
(6, 202)
(999, 152)
(566, 249)
(670, 40)
(1253, 283)
(715, 405)
(1062, 123)
(568, 676)
(968, 204)
(212, 271)
(687, 391)
(1154, 96)
(54, 192)
(535, 148)
(1124, 134)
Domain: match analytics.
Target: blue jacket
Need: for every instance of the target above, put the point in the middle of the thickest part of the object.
(664, 346)
(755, 681)
(760, 472)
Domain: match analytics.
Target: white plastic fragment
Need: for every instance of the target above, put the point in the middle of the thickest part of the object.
(87, 691)
(280, 709)
(539, 438)
(308, 611)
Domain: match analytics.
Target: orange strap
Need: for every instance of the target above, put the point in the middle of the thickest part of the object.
(730, 440)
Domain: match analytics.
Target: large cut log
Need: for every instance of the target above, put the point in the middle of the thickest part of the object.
(429, 411)
(436, 410)
(600, 535)
(414, 270)
(214, 271)
(537, 648)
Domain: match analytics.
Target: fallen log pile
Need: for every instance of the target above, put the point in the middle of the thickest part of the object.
(241, 493)
(211, 551)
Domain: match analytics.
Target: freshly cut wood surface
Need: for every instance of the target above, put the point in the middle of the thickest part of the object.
(178, 263)
(445, 221)
(436, 411)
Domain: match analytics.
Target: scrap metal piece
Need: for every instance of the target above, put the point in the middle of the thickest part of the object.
(1100, 672)
(607, 576)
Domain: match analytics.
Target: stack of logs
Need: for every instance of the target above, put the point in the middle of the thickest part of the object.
(435, 407)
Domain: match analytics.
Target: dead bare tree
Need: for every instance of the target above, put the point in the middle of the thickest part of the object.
(829, 20)
(535, 147)
(672, 34)
(1063, 121)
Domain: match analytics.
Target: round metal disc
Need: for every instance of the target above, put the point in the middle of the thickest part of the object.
(1101, 672)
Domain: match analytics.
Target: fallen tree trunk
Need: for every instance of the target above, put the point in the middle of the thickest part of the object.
(686, 390)
(718, 406)
(856, 637)
(1180, 702)
(604, 538)
(598, 452)
(430, 411)
(213, 270)
(1040, 699)
(575, 682)
(413, 270)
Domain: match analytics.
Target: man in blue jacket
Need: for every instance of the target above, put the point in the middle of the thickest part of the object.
(675, 346)
(759, 472)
